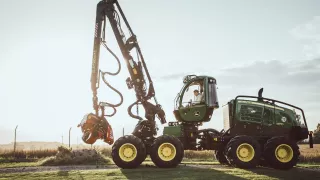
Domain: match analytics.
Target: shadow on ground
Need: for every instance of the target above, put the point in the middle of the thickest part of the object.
(219, 172)
(185, 172)
(294, 173)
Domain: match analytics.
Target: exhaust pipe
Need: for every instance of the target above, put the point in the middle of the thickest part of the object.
(260, 95)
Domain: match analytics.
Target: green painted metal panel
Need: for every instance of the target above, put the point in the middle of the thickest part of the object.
(173, 131)
(195, 113)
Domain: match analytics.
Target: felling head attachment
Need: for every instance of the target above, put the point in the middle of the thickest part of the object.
(94, 127)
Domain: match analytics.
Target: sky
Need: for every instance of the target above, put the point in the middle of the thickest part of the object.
(46, 53)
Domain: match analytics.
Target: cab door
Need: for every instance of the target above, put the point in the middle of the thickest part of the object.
(193, 113)
(268, 120)
(189, 110)
(283, 122)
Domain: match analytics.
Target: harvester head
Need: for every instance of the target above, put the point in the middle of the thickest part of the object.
(95, 127)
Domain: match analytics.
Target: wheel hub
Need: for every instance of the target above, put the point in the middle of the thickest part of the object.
(284, 153)
(167, 151)
(127, 152)
(245, 152)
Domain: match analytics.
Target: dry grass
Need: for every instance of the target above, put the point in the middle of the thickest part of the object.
(106, 152)
(66, 156)
(60, 156)
(308, 155)
(198, 155)
(25, 155)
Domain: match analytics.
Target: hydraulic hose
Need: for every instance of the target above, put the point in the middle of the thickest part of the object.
(130, 111)
(113, 106)
(103, 74)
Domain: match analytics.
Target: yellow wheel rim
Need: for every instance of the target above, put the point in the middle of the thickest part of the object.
(245, 152)
(284, 153)
(167, 151)
(127, 152)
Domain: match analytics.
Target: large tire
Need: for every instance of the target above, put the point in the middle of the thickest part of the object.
(243, 152)
(218, 154)
(281, 153)
(167, 152)
(128, 152)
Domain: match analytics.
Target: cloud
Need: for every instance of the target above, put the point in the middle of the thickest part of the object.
(311, 65)
(290, 74)
(179, 75)
(275, 72)
(308, 34)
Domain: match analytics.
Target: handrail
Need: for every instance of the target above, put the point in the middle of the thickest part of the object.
(273, 101)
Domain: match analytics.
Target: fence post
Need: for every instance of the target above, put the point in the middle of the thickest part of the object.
(15, 142)
(69, 136)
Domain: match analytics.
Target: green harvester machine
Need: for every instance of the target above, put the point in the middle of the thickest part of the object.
(257, 130)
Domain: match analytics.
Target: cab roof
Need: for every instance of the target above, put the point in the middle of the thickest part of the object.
(188, 78)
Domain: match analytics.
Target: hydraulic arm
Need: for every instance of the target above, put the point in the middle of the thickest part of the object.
(110, 10)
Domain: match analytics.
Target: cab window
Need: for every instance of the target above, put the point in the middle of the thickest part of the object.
(194, 94)
(251, 113)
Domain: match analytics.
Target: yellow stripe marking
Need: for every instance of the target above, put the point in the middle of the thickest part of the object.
(134, 71)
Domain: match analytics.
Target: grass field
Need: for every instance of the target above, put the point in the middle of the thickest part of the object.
(36, 157)
(176, 173)
(196, 165)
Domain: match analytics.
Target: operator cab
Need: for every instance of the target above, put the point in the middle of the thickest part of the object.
(197, 99)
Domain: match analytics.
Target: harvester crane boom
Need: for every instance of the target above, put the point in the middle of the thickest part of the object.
(111, 10)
